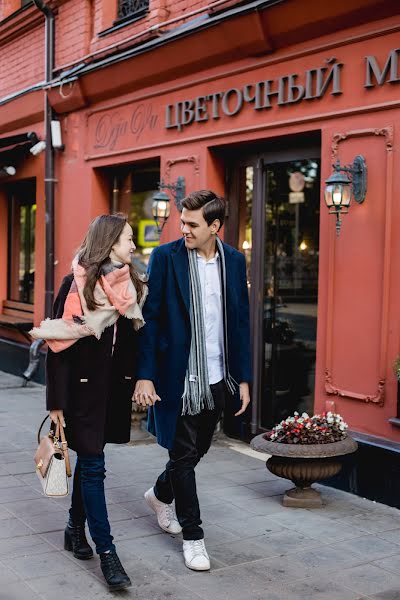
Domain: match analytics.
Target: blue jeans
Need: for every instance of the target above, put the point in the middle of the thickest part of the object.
(89, 502)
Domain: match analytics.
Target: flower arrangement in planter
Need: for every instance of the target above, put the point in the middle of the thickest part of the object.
(302, 429)
(305, 449)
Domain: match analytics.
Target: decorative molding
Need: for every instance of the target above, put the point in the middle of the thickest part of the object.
(330, 387)
(340, 137)
(190, 159)
(335, 391)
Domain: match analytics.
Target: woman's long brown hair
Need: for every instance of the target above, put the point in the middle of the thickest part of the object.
(94, 252)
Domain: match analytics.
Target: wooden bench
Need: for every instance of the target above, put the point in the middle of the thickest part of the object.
(17, 316)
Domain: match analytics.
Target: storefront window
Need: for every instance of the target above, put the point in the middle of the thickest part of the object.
(133, 189)
(21, 242)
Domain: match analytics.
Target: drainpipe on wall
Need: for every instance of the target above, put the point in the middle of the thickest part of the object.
(49, 181)
(49, 161)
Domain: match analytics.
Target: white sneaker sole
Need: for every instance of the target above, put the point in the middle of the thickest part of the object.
(197, 568)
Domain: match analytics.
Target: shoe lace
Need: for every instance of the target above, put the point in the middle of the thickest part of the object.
(79, 533)
(112, 559)
(198, 547)
(169, 512)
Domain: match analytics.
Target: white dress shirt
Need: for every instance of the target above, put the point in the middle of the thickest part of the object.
(210, 282)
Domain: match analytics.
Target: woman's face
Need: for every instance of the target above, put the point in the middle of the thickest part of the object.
(122, 251)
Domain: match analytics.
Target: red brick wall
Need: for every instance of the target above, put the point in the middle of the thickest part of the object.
(22, 62)
(78, 24)
(73, 31)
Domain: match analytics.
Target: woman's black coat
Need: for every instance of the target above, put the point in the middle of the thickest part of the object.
(93, 386)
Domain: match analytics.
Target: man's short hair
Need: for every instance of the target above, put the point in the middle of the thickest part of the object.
(213, 206)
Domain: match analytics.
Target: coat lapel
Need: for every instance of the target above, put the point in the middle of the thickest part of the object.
(181, 267)
(229, 282)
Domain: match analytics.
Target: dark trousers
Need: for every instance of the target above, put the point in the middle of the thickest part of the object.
(192, 440)
(89, 502)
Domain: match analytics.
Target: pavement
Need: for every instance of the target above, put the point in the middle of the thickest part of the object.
(347, 550)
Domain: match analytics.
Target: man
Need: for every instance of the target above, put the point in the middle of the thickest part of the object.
(195, 347)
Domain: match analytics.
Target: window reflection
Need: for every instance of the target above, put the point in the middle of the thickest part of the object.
(133, 189)
(21, 242)
(291, 288)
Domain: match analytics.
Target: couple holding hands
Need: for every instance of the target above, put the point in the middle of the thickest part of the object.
(182, 339)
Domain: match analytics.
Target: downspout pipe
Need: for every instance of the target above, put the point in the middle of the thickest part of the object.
(49, 178)
(49, 184)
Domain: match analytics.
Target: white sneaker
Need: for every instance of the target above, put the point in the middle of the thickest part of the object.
(195, 555)
(166, 515)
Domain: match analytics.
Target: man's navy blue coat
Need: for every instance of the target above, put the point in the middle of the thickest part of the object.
(165, 339)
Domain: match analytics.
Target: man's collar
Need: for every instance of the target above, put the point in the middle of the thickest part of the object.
(211, 260)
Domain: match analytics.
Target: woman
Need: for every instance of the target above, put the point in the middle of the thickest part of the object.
(90, 375)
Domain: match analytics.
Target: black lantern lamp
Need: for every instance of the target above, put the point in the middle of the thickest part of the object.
(342, 185)
(160, 209)
(161, 206)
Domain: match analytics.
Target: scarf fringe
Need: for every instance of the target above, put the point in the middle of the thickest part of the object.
(59, 329)
(194, 402)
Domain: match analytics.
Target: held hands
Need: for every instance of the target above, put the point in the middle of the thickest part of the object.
(244, 397)
(145, 393)
(57, 414)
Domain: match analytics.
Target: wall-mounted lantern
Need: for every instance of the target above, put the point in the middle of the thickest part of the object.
(161, 206)
(342, 185)
(160, 209)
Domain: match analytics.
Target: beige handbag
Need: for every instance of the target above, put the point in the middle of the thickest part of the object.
(52, 461)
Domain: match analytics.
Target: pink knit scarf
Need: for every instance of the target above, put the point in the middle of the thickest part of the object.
(114, 292)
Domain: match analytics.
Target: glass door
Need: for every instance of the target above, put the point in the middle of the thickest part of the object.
(273, 218)
(290, 288)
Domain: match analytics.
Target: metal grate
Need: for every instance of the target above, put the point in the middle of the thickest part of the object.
(128, 9)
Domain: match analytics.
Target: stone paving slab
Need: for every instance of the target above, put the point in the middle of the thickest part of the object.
(347, 550)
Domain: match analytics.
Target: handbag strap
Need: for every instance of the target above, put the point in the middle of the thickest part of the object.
(59, 434)
(41, 427)
(64, 447)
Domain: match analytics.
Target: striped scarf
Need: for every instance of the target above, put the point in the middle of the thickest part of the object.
(197, 394)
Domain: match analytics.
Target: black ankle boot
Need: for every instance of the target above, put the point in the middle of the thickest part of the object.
(75, 541)
(113, 571)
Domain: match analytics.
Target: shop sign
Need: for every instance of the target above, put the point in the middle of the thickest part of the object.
(288, 89)
(116, 125)
(296, 197)
(140, 123)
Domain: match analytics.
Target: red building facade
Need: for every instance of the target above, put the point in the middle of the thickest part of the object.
(255, 100)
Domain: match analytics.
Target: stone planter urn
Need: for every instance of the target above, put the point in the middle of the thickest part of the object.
(303, 464)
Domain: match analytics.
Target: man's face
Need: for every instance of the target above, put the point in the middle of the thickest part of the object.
(195, 229)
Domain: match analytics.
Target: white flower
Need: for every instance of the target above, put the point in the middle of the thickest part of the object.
(305, 415)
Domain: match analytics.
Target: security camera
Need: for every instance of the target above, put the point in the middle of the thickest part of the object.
(38, 148)
(56, 137)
